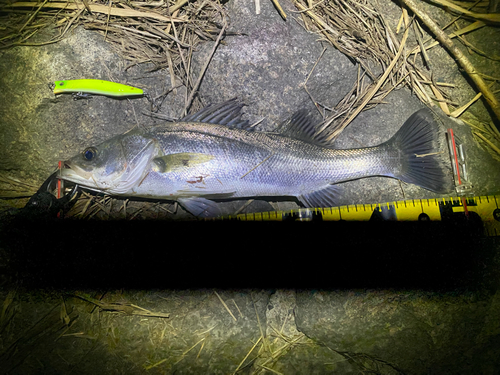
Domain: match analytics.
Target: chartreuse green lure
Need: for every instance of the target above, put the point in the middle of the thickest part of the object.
(96, 86)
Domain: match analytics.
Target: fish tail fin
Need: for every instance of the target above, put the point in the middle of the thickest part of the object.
(424, 158)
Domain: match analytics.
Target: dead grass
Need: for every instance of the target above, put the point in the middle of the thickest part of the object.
(12, 187)
(358, 30)
(164, 34)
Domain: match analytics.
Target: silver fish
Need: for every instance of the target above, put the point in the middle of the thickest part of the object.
(213, 154)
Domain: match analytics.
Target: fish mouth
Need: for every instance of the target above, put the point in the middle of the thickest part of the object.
(74, 173)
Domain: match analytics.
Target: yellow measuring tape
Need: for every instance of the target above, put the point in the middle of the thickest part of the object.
(484, 208)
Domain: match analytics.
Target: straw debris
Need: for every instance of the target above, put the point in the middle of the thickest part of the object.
(358, 30)
(162, 33)
(462, 60)
(165, 33)
(361, 33)
(123, 308)
(12, 187)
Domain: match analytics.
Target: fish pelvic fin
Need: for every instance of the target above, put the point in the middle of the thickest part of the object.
(200, 207)
(424, 158)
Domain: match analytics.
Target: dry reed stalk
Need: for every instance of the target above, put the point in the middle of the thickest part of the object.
(488, 142)
(462, 60)
(11, 187)
(362, 34)
(97, 8)
(163, 33)
(123, 308)
(373, 91)
(365, 37)
(245, 358)
(224, 304)
(280, 9)
(237, 308)
(264, 340)
(491, 18)
(467, 29)
(290, 343)
(8, 310)
(191, 348)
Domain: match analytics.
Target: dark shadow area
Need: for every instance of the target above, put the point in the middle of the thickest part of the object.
(149, 254)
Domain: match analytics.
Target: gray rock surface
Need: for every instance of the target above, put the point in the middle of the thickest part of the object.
(407, 332)
(266, 66)
(39, 129)
(347, 331)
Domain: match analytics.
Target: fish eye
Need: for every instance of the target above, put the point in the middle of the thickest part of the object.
(89, 153)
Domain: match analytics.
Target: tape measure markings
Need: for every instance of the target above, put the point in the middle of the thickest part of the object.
(434, 209)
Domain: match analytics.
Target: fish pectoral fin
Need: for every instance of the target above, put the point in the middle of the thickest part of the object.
(326, 197)
(200, 207)
(173, 162)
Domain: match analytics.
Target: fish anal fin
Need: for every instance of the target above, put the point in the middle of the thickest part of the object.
(325, 197)
(173, 162)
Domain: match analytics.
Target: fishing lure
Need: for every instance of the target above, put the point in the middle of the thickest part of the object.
(84, 87)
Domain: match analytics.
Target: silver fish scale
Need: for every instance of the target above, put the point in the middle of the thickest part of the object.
(251, 164)
(193, 162)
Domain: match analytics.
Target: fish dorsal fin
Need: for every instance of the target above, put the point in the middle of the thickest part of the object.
(300, 127)
(227, 113)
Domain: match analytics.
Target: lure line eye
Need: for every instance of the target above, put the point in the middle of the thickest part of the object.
(89, 153)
